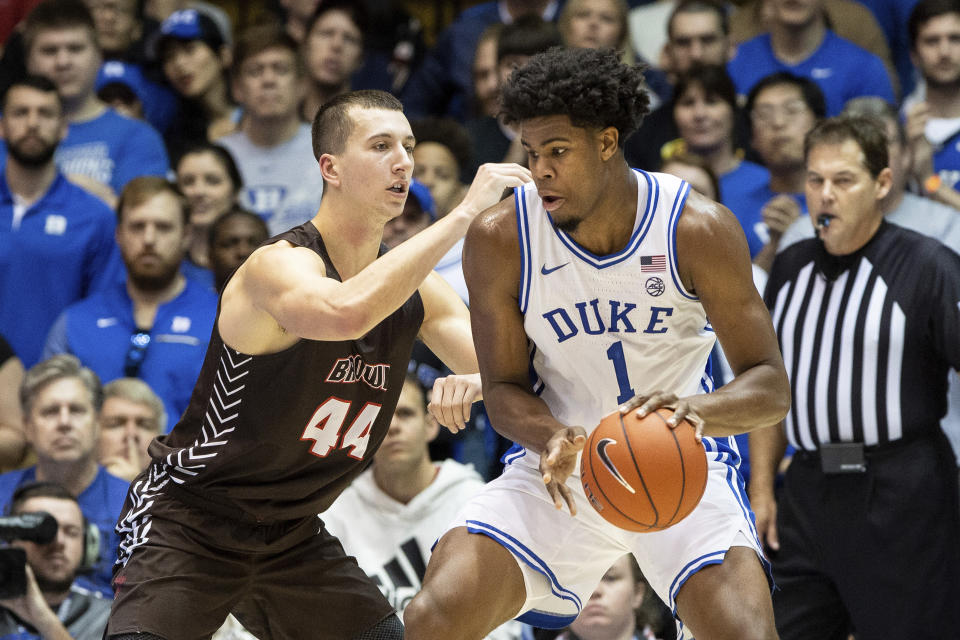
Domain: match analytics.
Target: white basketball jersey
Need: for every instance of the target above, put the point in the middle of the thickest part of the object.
(605, 328)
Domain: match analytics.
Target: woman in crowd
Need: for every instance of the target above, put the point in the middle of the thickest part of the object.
(211, 182)
(622, 607)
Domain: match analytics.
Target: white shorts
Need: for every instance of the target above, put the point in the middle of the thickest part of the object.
(563, 558)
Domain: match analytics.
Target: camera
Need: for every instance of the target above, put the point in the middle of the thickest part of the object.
(40, 528)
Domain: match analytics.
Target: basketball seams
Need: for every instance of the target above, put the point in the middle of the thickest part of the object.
(605, 461)
(683, 469)
(643, 483)
(599, 488)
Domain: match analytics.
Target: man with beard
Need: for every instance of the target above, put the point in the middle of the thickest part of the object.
(155, 325)
(55, 238)
(53, 607)
(933, 123)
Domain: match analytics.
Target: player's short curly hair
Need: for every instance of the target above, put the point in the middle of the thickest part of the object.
(590, 86)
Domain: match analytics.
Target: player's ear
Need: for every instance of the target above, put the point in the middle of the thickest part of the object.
(609, 142)
(330, 169)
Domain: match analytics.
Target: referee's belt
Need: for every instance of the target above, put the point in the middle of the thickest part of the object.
(852, 457)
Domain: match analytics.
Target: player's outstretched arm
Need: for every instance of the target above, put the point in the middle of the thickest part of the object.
(289, 284)
(714, 264)
(491, 265)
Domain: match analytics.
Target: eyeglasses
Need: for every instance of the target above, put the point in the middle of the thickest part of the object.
(767, 113)
(139, 342)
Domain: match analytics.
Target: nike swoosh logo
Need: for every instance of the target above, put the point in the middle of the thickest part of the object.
(608, 463)
(547, 272)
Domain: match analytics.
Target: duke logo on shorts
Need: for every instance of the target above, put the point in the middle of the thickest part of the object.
(597, 337)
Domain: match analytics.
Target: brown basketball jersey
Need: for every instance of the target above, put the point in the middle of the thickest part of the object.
(279, 436)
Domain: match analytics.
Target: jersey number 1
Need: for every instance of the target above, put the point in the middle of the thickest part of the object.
(615, 354)
(327, 422)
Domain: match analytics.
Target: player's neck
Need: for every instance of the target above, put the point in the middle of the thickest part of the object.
(352, 241)
(608, 227)
(404, 486)
(75, 477)
(795, 44)
(29, 183)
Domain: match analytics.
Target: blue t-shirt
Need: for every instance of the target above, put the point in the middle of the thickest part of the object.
(101, 504)
(840, 68)
(739, 192)
(946, 161)
(98, 330)
(113, 149)
(62, 250)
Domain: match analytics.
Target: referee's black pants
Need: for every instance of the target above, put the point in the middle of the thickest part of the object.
(876, 552)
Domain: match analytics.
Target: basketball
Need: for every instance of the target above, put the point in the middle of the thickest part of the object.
(641, 475)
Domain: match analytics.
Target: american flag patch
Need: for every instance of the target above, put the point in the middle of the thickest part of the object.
(653, 263)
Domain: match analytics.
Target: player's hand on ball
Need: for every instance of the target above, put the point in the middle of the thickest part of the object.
(644, 403)
(557, 462)
(452, 399)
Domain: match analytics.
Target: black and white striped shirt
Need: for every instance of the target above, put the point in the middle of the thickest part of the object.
(867, 349)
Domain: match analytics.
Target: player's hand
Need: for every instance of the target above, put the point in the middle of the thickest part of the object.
(452, 398)
(557, 462)
(488, 186)
(645, 403)
(779, 213)
(765, 511)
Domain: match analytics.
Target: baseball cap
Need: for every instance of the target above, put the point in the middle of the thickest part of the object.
(129, 75)
(186, 25)
(422, 194)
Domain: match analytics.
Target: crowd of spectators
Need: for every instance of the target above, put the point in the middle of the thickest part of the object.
(147, 148)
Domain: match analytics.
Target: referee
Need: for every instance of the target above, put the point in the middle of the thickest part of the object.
(865, 536)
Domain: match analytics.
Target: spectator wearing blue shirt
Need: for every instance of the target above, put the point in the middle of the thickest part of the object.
(442, 84)
(106, 149)
(933, 122)
(800, 42)
(782, 108)
(155, 325)
(60, 400)
(56, 240)
(704, 109)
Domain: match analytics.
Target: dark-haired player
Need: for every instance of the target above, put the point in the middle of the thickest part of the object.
(602, 278)
(302, 374)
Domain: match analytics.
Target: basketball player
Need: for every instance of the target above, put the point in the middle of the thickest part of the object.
(607, 302)
(302, 374)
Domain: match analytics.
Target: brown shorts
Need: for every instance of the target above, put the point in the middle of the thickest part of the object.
(284, 580)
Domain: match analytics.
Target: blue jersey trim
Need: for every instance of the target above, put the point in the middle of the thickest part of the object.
(714, 557)
(523, 237)
(513, 454)
(524, 554)
(678, 205)
(544, 620)
(602, 262)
